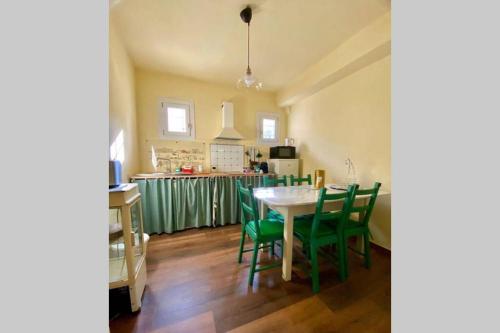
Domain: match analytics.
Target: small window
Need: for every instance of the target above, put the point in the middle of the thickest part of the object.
(267, 128)
(176, 120)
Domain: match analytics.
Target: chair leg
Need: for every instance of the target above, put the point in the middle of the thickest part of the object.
(242, 243)
(254, 262)
(315, 270)
(342, 258)
(272, 248)
(368, 259)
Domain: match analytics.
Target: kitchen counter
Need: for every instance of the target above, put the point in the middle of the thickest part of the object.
(166, 175)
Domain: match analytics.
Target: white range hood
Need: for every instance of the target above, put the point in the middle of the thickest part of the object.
(228, 132)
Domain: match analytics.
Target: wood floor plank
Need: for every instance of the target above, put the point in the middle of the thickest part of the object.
(195, 283)
(202, 323)
(292, 318)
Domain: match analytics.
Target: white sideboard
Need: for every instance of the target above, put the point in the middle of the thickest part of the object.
(283, 167)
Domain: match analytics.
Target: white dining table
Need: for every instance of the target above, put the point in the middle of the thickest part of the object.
(291, 201)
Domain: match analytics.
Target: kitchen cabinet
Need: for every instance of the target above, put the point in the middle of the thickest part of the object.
(284, 167)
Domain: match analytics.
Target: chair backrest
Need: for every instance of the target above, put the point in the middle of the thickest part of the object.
(299, 180)
(368, 207)
(340, 215)
(248, 205)
(272, 182)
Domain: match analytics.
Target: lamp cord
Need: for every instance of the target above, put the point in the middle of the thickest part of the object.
(248, 46)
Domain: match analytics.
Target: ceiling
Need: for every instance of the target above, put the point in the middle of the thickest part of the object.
(206, 39)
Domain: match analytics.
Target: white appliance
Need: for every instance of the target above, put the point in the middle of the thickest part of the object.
(228, 132)
(284, 167)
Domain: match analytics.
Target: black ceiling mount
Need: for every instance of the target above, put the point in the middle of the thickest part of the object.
(246, 14)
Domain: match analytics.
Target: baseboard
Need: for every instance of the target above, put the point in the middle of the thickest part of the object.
(380, 249)
(375, 247)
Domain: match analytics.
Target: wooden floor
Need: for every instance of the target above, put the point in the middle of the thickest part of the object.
(196, 285)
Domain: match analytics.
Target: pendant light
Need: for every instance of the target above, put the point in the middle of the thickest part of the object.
(248, 80)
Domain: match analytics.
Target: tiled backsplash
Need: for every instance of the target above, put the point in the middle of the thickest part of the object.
(226, 157)
(180, 154)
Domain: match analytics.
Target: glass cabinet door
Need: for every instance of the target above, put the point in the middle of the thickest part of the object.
(137, 236)
(117, 264)
(118, 241)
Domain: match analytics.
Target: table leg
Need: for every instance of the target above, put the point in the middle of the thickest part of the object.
(287, 243)
(262, 215)
(262, 209)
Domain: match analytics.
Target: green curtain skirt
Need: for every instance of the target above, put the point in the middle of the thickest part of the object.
(174, 204)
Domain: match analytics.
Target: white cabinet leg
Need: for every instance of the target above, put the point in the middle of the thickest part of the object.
(135, 302)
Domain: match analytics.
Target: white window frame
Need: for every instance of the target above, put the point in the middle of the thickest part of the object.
(260, 134)
(163, 105)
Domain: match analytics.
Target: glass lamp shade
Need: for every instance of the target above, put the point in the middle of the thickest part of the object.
(249, 81)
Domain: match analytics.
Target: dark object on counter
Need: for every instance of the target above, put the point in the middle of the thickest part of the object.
(282, 152)
(253, 164)
(115, 173)
(264, 167)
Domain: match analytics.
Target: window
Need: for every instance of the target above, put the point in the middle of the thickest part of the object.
(267, 128)
(176, 119)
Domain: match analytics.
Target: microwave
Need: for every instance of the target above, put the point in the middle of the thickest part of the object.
(282, 152)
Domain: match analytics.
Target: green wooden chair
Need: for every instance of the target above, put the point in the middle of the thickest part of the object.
(320, 232)
(297, 180)
(360, 227)
(271, 182)
(272, 214)
(261, 231)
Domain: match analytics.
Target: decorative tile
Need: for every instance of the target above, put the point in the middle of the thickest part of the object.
(226, 157)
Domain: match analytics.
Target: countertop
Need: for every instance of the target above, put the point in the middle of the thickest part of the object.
(194, 175)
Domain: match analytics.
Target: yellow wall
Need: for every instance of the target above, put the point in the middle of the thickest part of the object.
(122, 113)
(367, 46)
(207, 98)
(351, 118)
